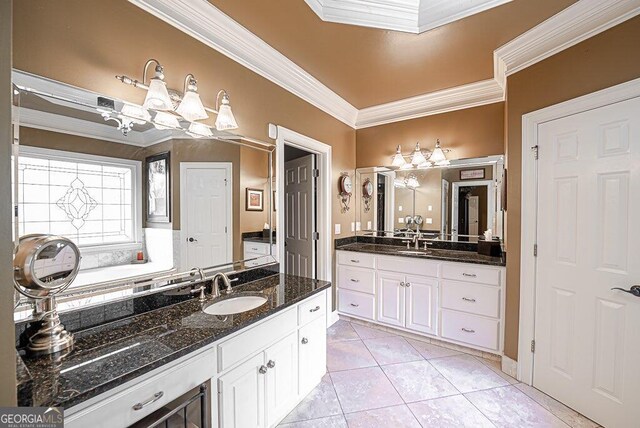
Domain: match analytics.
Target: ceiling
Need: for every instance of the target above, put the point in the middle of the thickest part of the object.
(370, 66)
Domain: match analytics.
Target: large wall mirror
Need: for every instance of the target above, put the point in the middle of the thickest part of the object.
(457, 202)
(140, 200)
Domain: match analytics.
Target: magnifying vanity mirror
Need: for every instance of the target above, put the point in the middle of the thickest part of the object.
(457, 202)
(139, 203)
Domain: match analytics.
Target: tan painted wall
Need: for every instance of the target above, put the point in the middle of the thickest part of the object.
(87, 42)
(605, 60)
(7, 338)
(473, 132)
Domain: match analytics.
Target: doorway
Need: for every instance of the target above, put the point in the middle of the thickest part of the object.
(579, 212)
(300, 216)
(206, 214)
(472, 209)
(285, 137)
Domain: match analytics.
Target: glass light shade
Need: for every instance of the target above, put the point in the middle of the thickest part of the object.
(165, 121)
(399, 183)
(157, 96)
(418, 158)
(407, 165)
(191, 107)
(199, 130)
(225, 119)
(412, 182)
(438, 157)
(132, 111)
(398, 160)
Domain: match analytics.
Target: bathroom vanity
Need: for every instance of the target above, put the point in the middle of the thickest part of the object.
(258, 364)
(454, 296)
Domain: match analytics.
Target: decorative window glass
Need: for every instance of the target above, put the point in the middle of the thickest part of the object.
(88, 199)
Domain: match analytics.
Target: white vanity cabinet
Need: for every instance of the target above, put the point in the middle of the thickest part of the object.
(456, 302)
(256, 250)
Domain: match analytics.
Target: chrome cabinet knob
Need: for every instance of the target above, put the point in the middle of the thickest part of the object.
(271, 364)
(262, 369)
(304, 341)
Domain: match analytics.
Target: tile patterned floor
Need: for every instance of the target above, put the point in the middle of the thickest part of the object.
(379, 379)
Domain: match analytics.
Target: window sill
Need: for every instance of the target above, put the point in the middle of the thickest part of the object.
(96, 249)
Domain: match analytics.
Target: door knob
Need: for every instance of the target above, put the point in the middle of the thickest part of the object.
(192, 240)
(635, 290)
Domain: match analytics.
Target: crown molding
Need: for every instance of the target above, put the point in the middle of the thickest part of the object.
(456, 98)
(410, 16)
(578, 22)
(206, 23)
(203, 21)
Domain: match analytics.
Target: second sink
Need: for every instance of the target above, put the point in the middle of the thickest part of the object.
(234, 305)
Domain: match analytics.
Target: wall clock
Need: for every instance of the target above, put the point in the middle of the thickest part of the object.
(367, 194)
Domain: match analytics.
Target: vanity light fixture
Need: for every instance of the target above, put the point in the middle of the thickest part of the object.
(412, 182)
(418, 157)
(135, 112)
(199, 130)
(225, 119)
(189, 104)
(163, 120)
(439, 157)
(398, 160)
(191, 107)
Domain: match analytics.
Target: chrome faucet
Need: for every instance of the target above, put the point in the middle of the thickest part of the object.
(416, 240)
(225, 281)
(202, 289)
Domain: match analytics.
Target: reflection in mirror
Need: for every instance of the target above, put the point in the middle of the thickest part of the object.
(140, 201)
(457, 202)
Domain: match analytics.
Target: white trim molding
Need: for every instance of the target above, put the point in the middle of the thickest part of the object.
(456, 98)
(413, 16)
(204, 22)
(578, 22)
(529, 207)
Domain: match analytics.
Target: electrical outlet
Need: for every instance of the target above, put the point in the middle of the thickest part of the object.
(368, 225)
(401, 220)
(358, 225)
(430, 208)
(353, 227)
(429, 220)
(337, 228)
(400, 208)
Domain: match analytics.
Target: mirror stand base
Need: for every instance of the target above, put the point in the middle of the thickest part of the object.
(51, 337)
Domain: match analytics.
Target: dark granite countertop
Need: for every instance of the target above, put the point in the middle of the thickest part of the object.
(435, 254)
(114, 353)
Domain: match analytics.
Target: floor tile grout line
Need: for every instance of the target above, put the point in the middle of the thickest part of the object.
(333, 385)
(549, 409)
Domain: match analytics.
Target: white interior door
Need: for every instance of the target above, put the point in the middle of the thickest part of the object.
(299, 189)
(473, 207)
(587, 336)
(206, 214)
(444, 230)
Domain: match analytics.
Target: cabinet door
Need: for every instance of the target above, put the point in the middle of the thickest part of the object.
(421, 304)
(282, 377)
(242, 396)
(390, 295)
(312, 345)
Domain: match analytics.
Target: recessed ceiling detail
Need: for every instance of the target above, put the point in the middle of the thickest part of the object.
(411, 16)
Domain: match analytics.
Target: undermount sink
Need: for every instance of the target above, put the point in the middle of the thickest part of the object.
(413, 252)
(234, 305)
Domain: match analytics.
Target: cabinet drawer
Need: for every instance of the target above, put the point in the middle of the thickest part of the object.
(256, 248)
(408, 265)
(471, 329)
(256, 338)
(349, 258)
(357, 304)
(471, 273)
(312, 308)
(357, 279)
(473, 298)
(156, 391)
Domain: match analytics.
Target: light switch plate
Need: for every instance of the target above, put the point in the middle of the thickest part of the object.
(353, 227)
(368, 225)
(337, 229)
(401, 220)
(429, 220)
(358, 225)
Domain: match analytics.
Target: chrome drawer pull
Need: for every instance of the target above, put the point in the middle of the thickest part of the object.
(316, 309)
(466, 299)
(254, 249)
(354, 305)
(467, 330)
(262, 369)
(156, 397)
(305, 341)
(355, 280)
(355, 261)
(470, 275)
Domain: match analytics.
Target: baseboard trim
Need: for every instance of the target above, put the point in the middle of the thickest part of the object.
(510, 367)
(332, 318)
